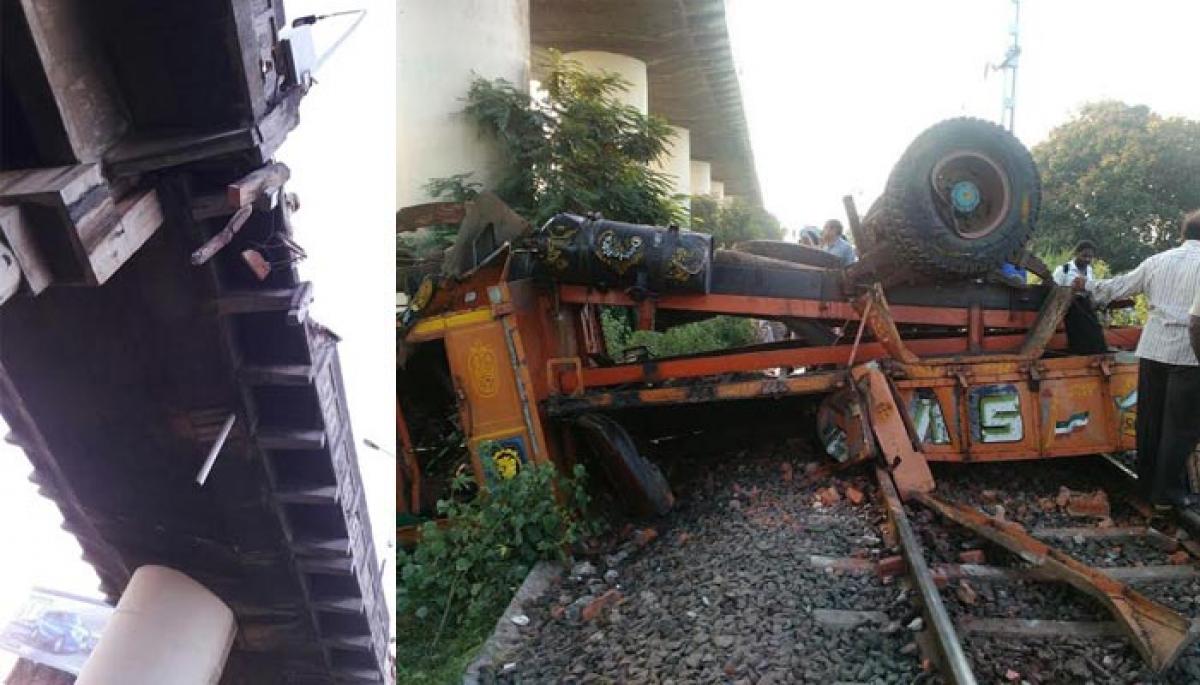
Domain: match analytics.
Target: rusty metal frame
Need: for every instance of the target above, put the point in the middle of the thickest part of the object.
(1158, 633)
(778, 307)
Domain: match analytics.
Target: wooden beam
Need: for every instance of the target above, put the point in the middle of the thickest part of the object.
(271, 438)
(214, 244)
(341, 605)
(256, 184)
(266, 300)
(324, 494)
(1037, 628)
(20, 236)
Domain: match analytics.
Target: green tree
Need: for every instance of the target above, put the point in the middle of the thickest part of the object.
(734, 222)
(1121, 176)
(577, 150)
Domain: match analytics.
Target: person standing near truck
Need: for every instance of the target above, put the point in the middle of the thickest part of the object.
(1085, 335)
(1169, 370)
(1194, 326)
(834, 242)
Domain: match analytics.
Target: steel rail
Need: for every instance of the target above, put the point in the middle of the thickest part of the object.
(955, 664)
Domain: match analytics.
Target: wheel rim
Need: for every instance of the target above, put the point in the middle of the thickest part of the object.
(972, 191)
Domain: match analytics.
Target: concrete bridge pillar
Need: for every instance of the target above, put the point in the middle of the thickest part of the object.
(717, 190)
(676, 162)
(167, 628)
(442, 47)
(701, 177)
(631, 69)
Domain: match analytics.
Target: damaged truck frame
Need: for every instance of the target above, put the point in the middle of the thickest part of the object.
(918, 352)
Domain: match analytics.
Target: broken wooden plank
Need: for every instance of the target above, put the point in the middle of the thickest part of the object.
(1037, 628)
(256, 184)
(1126, 574)
(1159, 633)
(139, 217)
(214, 244)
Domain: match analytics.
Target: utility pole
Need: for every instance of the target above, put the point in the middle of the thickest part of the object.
(1008, 112)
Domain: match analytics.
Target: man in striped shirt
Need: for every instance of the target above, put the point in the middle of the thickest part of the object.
(1168, 421)
(1194, 327)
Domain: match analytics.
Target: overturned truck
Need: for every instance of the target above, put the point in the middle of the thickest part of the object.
(975, 366)
(919, 352)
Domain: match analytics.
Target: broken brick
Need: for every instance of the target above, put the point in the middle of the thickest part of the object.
(828, 496)
(786, 469)
(966, 593)
(990, 496)
(890, 566)
(854, 495)
(1088, 504)
(605, 601)
(1179, 558)
(644, 536)
(1012, 675)
(972, 556)
(682, 537)
(557, 611)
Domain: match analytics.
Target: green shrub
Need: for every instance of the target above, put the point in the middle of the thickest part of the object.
(471, 564)
(717, 333)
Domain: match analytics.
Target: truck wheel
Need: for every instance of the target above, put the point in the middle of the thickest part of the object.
(789, 252)
(963, 198)
(634, 478)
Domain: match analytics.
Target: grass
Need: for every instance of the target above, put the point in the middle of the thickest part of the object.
(420, 662)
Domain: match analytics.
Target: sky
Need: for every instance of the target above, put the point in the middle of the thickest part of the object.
(343, 169)
(835, 91)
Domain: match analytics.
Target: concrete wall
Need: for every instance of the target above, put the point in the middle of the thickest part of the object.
(443, 46)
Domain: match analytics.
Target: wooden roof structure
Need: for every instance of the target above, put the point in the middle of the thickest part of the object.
(158, 299)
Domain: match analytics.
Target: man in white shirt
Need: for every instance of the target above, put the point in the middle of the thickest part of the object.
(1085, 335)
(1081, 265)
(1168, 422)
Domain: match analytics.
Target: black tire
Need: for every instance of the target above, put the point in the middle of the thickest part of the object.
(636, 481)
(789, 252)
(963, 198)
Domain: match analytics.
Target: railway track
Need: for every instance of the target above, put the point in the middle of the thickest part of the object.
(998, 616)
(755, 579)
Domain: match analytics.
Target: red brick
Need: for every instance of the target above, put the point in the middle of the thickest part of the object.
(891, 566)
(1180, 558)
(644, 536)
(966, 593)
(972, 556)
(828, 496)
(786, 469)
(601, 603)
(1088, 504)
(854, 494)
